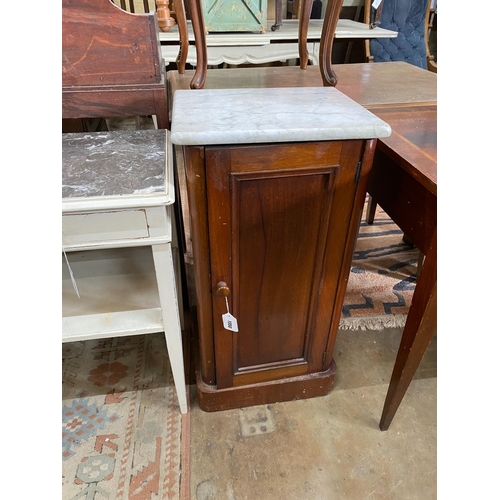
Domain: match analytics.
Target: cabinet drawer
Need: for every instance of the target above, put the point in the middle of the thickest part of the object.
(89, 228)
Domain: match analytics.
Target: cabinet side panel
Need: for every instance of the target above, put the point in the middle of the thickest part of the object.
(346, 214)
(365, 150)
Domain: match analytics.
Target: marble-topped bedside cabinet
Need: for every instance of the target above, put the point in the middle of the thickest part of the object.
(120, 256)
(276, 185)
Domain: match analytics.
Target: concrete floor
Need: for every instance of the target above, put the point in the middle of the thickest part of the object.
(323, 448)
(329, 447)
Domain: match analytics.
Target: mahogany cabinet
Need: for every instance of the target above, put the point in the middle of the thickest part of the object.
(273, 227)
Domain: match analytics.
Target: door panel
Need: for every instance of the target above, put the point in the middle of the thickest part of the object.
(272, 269)
(272, 233)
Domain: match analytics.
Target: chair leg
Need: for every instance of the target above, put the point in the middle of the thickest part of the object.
(304, 15)
(180, 12)
(332, 14)
(198, 80)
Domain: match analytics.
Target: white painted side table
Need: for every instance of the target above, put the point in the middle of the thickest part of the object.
(120, 256)
(259, 48)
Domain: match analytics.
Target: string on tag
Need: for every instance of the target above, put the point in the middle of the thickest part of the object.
(73, 281)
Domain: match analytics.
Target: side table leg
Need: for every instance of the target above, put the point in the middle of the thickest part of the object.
(418, 332)
(165, 277)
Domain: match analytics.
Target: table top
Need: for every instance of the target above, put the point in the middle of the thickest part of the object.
(241, 116)
(118, 169)
(369, 84)
(346, 29)
(413, 142)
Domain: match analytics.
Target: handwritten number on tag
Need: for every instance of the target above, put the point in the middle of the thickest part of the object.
(230, 322)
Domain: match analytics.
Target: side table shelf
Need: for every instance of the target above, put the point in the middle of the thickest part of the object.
(118, 294)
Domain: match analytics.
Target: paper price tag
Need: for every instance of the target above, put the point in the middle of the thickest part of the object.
(376, 3)
(230, 322)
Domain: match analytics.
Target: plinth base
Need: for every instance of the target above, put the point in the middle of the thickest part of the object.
(289, 389)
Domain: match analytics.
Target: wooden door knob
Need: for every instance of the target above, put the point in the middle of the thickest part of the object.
(223, 289)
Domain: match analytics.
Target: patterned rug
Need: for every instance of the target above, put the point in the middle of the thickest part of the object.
(121, 424)
(382, 278)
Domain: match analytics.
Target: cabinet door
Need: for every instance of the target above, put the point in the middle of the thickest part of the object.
(278, 224)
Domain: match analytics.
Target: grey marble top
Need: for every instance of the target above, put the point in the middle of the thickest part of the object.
(125, 164)
(263, 115)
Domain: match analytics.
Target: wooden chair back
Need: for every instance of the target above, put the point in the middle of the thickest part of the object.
(166, 20)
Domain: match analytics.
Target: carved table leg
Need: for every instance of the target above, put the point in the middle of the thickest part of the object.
(326, 44)
(200, 74)
(418, 332)
(304, 17)
(180, 12)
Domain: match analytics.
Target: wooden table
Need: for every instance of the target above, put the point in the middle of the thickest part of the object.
(405, 97)
(404, 183)
(258, 48)
(370, 84)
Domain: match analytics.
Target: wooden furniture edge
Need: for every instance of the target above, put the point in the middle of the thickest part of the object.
(289, 389)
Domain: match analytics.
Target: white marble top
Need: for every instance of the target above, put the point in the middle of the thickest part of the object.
(118, 169)
(263, 115)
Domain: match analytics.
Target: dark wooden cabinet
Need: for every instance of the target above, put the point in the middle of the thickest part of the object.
(275, 223)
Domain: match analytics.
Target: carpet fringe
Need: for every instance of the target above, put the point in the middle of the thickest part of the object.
(373, 323)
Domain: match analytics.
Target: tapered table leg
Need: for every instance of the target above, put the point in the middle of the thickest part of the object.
(418, 332)
(371, 208)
